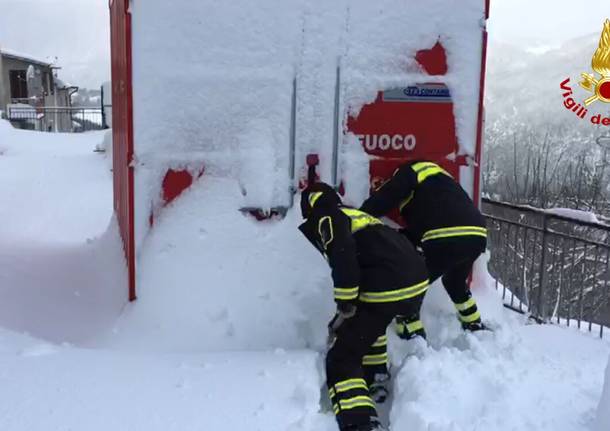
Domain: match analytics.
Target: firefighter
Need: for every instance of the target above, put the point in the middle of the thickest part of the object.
(377, 275)
(444, 222)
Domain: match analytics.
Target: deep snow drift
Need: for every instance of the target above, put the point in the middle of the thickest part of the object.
(61, 265)
(158, 371)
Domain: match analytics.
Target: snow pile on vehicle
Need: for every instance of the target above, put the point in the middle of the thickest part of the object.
(213, 279)
(225, 96)
(603, 410)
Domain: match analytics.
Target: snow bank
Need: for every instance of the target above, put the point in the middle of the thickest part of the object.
(53, 387)
(603, 410)
(63, 293)
(62, 271)
(212, 278)
(53, 186)
(530, 377)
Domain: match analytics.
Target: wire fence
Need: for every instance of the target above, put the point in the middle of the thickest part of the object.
(553, 267)
(57, 119)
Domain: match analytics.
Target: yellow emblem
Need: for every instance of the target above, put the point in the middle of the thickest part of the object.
(600, 64)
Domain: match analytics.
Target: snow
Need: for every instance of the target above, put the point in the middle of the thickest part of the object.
(508, 380)
(44, 177)
(60, 253)
(602, 422)
(22, 56)
(20, 111)
(228, 331)
(355, 168)
(240, 348)
(220, 269)
(231, 84)
(49, 387)
(574, 214)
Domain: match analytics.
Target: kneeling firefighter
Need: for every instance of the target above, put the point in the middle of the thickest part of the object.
(377, 275)
(444, 221)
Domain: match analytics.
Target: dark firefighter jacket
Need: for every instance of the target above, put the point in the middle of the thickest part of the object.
(431, 202)
(370, 262)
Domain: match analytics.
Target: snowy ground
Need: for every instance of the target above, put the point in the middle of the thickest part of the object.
(61, 275)
(217, 357)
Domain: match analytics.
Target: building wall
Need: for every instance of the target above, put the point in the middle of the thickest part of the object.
(2, 85)
(9, 64)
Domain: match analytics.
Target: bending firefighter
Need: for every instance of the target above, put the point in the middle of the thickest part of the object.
(377, 275)
(444, 221)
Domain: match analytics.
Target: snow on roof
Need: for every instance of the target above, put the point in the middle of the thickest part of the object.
(25, 57)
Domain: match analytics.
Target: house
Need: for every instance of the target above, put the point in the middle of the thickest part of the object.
(31, 95)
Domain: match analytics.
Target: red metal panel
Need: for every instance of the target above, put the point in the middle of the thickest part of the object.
(410, 123)
(418, 123)
(476, 193)
(122, 131)
(174, 183)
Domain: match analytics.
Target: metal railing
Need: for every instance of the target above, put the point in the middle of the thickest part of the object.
(57, 119)
(550, 266)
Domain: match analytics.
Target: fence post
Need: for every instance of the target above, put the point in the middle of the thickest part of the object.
(104, 125)
(542, 269)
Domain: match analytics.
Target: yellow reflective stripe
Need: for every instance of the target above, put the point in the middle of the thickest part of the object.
(455, 231)
(406, 201)
(360, 219)
(415, 326)
(455, 234)
(362, 386)
(359, 401)
(381, 341)
(422, 165)
(326, 241)
(466, 305)
(379, 359)
(400, 328)
(454, 228)
(347, 385)
(395, 295)
(471, 317)
(346, 294)
(313, 197)
(421, 176)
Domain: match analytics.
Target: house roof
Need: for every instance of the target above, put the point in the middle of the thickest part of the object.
(24, 57)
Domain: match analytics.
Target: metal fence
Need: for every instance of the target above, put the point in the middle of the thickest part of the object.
(57, 119)
(551, 266)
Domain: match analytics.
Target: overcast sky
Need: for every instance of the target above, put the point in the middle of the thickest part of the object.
(76, 31)
(546, 21)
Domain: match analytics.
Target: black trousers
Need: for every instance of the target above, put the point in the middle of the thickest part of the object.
(358, 338)
(452, 259)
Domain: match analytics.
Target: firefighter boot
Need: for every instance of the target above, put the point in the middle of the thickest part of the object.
(374, 425)
(469, 316)
(475, 326)
(408, 328)
(378, 388)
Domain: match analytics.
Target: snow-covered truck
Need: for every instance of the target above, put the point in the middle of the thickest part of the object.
(256, 91)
